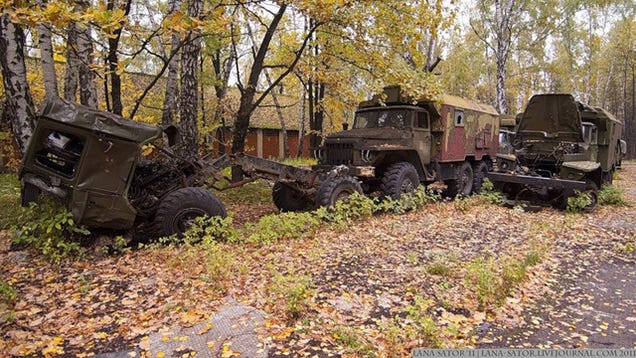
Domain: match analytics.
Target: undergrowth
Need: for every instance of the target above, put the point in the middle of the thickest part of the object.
(9, 200)
(612, 195)
(49, 229)
(492, 280)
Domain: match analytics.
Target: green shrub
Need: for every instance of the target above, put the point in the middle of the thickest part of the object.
(417, 326)
(8, 296)
(296, 291)
(611, 195)
(578, 202)
(213, 228)
(490, 195)
(49, 229)
(277, 226)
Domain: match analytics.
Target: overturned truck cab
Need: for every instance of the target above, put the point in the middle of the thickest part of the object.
(560, 147)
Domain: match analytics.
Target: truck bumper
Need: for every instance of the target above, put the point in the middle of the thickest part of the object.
(354, 170)
(536, 181)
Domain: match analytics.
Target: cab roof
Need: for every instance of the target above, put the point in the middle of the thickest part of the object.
(60, 110)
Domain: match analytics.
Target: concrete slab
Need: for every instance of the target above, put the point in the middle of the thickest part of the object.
(233, 331)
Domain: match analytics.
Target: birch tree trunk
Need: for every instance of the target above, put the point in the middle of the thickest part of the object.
(301, 124)
(46, 56)
(88, 89)
(172, 86)
(71, 74)
(189, 86)
(19, 104)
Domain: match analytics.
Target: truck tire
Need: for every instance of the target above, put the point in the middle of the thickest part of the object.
(178, 209)
(592, 191)
(338, 189)
(400, 178)
(288, 199)
(480, 169)
(463, 185)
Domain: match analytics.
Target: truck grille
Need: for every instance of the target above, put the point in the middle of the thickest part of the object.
(338, 153)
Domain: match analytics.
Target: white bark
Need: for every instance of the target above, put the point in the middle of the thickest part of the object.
(172, 85)
(88, 88)
(19, 104)
(46, 56)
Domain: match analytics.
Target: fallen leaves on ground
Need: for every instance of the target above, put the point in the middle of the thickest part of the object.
(386, 285)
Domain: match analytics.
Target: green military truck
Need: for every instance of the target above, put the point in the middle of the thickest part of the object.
(559, 147)
(397, 142)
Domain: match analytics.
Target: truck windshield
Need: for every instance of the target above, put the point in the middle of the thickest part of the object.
(397, 118)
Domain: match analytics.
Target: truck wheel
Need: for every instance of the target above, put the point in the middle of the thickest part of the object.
(463, 185)
(339, 189)
(479, 174)
(400, 178)
(178, 210)
(592, 191)
(288, 199)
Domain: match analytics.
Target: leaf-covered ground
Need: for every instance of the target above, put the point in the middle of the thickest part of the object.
(452, 274)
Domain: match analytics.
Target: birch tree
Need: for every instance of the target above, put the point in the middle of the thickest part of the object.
(19, 106)
(46, 56)
(189, 84)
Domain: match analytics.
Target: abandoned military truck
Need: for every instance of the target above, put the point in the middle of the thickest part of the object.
(560, 146)
(93, 162)
(397, 143)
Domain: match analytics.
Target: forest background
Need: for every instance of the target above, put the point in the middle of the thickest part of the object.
(203, 64)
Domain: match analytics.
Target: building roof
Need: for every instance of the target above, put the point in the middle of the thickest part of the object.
(266, 116)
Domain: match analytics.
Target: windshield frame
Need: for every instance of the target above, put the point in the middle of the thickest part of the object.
(407, 122)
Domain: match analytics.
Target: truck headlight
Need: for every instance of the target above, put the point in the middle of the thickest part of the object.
(319, 154)
(367, 156)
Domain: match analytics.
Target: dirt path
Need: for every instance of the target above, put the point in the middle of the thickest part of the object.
(593, 304)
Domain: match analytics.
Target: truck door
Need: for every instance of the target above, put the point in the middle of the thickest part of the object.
(422, 136)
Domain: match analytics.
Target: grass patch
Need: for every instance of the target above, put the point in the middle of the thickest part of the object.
(352, 341)
(611, 195)
(257, 192)
(439, 268)
(296, 291)
(493, 280)
(9, 200)
(417, 326)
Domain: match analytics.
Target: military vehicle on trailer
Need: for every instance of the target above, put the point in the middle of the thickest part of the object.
(397, 142)
(93, 161)
(560, 147)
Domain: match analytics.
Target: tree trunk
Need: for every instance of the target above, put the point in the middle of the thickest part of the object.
(281, 118)
(19, 104)
(46, 56)
(72, 63)
(189, 86)
(222, 70)
(301, 125)
(248, 92)
(317, 114)
(113, 61)
(88, 89)
(172, 86)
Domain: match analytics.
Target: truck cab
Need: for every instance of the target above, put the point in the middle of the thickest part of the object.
(397, 142)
